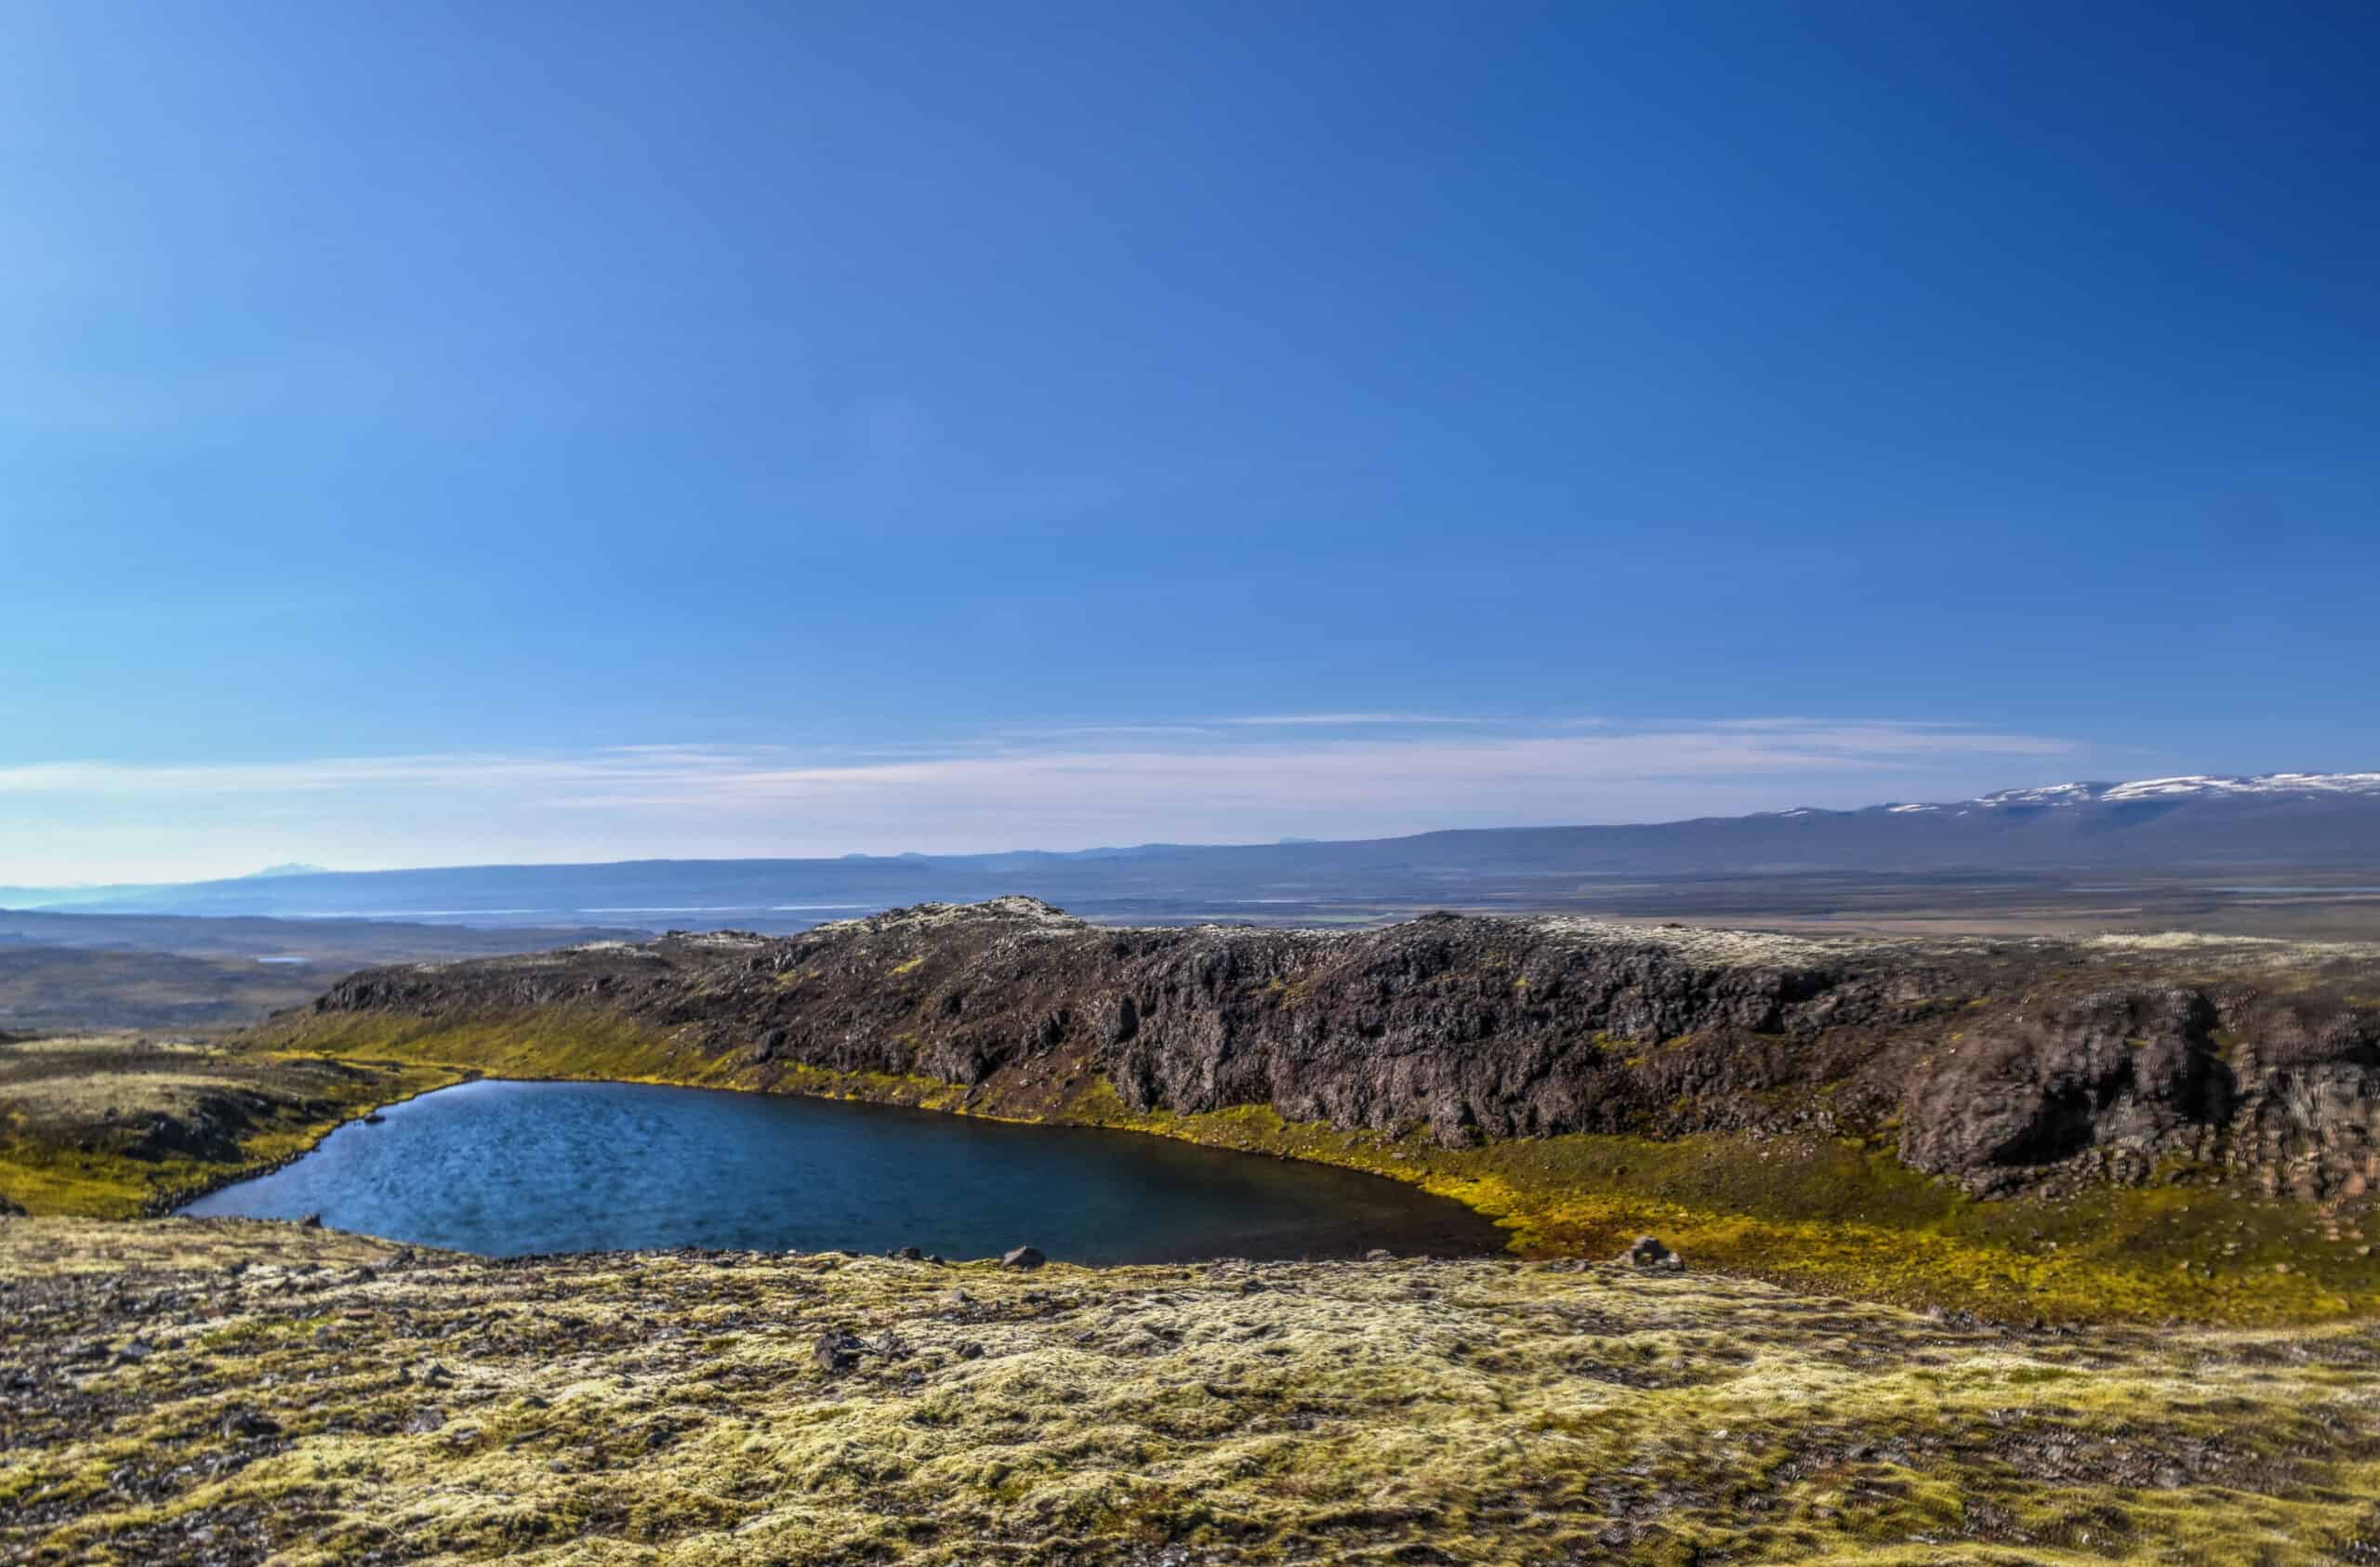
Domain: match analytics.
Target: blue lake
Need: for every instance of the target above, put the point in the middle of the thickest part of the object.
(506, 1168)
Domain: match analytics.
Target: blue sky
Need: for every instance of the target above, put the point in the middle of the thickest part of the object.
(435, 433)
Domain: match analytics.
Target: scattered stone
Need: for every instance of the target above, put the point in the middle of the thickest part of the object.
(1649, 1252)
(425, 1420)
(1024, 1256)
(970, 1352)
(240, 1421)
(906, 1254)
(311, 1222)
(836, 1352)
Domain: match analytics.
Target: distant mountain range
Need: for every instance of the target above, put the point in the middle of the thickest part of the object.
(2328, 822)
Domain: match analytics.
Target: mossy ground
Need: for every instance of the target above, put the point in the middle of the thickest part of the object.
(80, 1114)
(1828, 1213)
(1813, 1212)
(319, 1398)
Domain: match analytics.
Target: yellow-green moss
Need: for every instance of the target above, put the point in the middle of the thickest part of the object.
(1830, 1214)
(665, 1408)
(53, 1162)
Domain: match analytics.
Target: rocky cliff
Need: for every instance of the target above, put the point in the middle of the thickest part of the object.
(2006, 1065)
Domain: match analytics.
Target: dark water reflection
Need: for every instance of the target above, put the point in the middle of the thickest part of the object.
(504, 1168)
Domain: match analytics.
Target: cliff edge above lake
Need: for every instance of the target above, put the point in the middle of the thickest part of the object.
(2124, 1127)
(2005, 1066)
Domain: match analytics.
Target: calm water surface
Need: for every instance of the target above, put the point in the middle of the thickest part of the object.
(504, 1168)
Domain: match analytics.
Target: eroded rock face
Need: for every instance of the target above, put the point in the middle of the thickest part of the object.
(1998, 1061)
(2115, 1068)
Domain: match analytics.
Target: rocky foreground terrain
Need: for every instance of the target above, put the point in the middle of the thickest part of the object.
(229, 1392)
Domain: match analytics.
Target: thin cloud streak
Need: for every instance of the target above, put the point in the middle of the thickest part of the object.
(1344, 720)
(86, 820)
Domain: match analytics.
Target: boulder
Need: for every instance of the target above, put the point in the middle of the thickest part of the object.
(836, 1352)
(1649, 1252)
(1024, 1256)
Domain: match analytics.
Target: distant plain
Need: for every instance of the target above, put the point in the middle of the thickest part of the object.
(62, 971)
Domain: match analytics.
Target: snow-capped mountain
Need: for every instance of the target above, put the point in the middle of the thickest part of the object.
(2326, 824)
(2200, 786)
(2193, 786)
(2315, 820)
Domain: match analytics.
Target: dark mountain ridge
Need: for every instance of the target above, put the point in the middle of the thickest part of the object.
(2319, 822)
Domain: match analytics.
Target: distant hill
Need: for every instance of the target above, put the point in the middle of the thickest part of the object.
(2329, 822)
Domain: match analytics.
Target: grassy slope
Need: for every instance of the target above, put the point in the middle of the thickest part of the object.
(74, 1112)
(1816, 1213)
(665, 1408)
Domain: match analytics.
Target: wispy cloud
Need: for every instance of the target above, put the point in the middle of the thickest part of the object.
(1065, 787)
(1344, 720)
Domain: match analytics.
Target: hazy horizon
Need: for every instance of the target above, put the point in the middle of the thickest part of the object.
(281, 868)
(699, 802)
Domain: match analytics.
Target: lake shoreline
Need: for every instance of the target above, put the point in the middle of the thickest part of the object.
(168, 1204)
(505, 1166)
